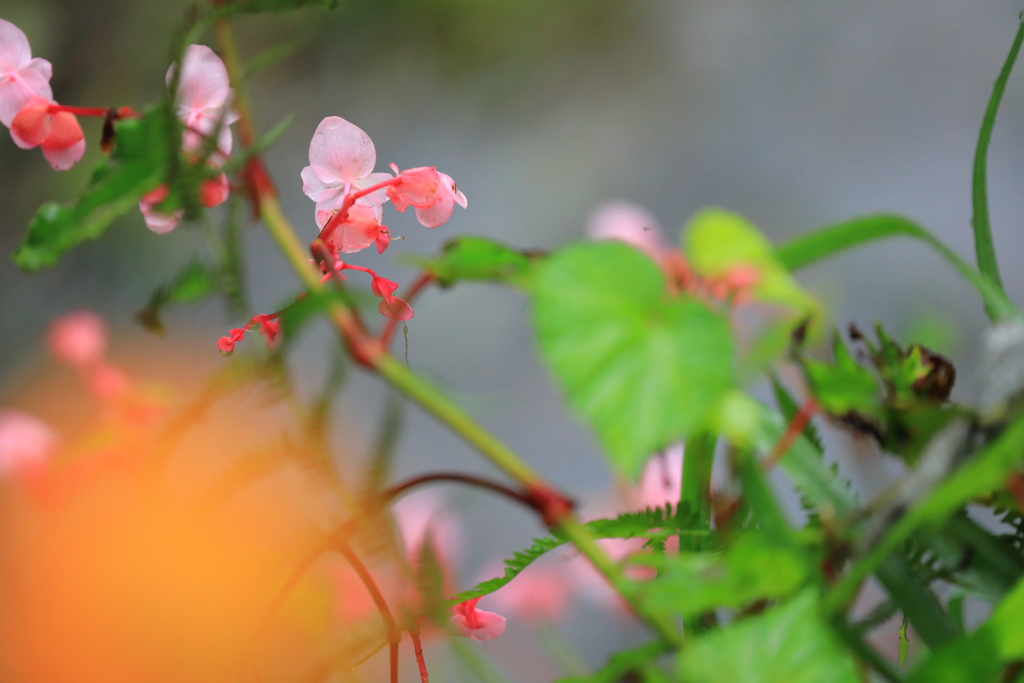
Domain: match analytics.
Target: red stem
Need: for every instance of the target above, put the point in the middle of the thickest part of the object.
(415, 288)
(397, 490)
(393, 633)
(796, 426)
(418, 649)
(98, 112)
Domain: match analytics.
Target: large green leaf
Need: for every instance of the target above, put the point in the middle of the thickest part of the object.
(643, 367)
(790, 643)
(136, 165)
(751, 569)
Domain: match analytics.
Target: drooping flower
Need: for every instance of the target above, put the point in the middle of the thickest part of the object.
(38, 124)
(158, 222)
(432, 193)
(341, 160)
(392, 307)
(78, 338)
(475, 623)
(21, 76)
(26, 443)
(360, 229)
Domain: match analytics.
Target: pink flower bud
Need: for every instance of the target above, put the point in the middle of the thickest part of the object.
(475, 623)
(78, 338)
(215, 191)
(419, 187)
(26, 443)
(160, 223)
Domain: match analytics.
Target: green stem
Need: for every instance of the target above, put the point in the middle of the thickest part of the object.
(695, 506)
(983, 245)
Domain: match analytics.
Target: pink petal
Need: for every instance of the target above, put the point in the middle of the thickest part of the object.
(31, 124)
(320, 184)
(26, 442)
(61, 159)
(440, 212)
(359, 230)
(419, 187)
(204, 81)
(78, 338)
(342, 147)
(14, 48)
(21, 86)
(160, 223)
(395, 308)
(43, 69)
(488, 625)
(629, 223)
(460, 198)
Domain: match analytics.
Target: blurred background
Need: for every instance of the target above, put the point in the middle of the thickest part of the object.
(794, 113)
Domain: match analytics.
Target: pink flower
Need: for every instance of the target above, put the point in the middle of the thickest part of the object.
(629, 223)
(541, 593)
(204, 99)
(475, 623)
(432, 193)
(360, 229)
(21, 77)
(57, 132)
(268, 325)
(341, 160)
(26, 443)
(78, 338)
(661, 480)
(204, 103)
(270, 328)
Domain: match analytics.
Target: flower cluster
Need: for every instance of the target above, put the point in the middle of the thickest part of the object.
(349, 196)
(268, 325)
(204, 108)
(27, 107)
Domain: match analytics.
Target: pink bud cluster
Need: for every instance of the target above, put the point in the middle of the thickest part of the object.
(204, 106)
(268, 324)
(349, 196)
(392, 306)
(27, 107)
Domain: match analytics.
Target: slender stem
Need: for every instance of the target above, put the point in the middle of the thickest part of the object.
(793, 431)
(98, 112)
(350, 199)
(398, 489)
(417, 647)
(983, 245)
(588, 547)
(418, 285)
(390, 626)
(695, 505)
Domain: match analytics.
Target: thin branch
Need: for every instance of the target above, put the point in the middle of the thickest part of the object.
(793, 431)
(418, 649)
(397, 490)
(390, 626)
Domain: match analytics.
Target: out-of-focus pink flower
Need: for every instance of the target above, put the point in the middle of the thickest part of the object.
(21, 77)
(204, 99)
(215, 191)
(78, 338)
(109, 382)
(26, 443)
(57, 132)
(661, 480)
(539, 594)
(160, 223)
(475, 623)
(341, 160)
(629, 223)
(422, 517)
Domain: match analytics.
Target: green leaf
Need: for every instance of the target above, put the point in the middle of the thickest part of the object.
(751, 569)
(197, 281)
(789, 643)
(136, 166)
(806, 249)
(641, 366)
(904, 642)
(472, 258)
(718, 242)
(844, 385)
